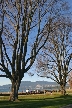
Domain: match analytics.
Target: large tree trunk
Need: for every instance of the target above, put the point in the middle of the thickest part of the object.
(14, 91)
(63, 91)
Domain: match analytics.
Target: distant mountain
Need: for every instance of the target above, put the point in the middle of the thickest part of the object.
(31, 86)
(35, 85)
(29, 83)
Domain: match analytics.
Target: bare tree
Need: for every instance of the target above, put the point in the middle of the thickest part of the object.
(56, 57)
(19, 44)
(1, 23)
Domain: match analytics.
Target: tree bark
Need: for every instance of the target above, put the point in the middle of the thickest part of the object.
(63, 91)
(14, 91)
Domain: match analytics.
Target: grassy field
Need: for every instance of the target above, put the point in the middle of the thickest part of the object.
(37, 101)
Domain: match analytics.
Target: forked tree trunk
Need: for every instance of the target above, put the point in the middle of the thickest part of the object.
(63, 91)
(14, 91)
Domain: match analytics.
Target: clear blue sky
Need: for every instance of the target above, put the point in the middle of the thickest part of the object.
(26, 76)
(34, 78)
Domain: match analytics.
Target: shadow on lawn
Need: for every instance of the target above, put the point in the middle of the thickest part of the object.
(38, 103)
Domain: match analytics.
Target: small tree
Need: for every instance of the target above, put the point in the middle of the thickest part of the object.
(55, 60)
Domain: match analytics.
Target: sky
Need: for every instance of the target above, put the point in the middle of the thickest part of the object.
(34, 78)
(5, 81)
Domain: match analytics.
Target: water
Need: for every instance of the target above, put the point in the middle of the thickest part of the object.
(20, 90)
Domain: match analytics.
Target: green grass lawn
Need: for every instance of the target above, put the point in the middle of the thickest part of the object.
(37, 101)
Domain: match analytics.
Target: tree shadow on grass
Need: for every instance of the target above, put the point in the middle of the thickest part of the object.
(55, 102)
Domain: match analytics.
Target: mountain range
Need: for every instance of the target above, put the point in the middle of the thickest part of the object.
(31, 86)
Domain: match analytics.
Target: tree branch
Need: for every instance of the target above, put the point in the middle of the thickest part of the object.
(7, 54)
(4, 76)
(6, 71)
